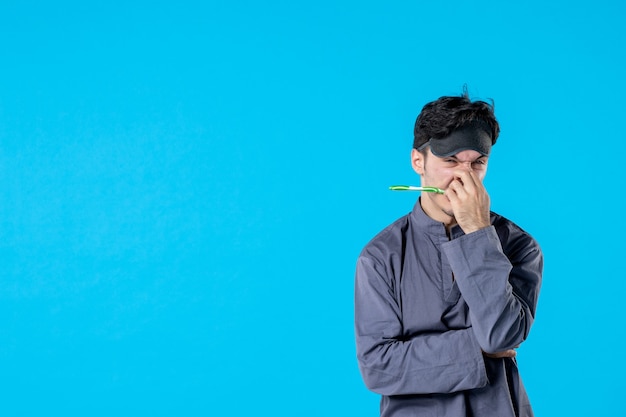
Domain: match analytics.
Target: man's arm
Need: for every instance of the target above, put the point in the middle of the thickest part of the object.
(501, 292)
(392, 364)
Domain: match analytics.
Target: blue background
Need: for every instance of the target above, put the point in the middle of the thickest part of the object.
(186, 187)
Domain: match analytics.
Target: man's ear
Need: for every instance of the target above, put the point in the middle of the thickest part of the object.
(417, 161)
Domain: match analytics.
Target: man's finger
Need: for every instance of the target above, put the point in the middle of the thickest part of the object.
(467, 177)
(510, 353)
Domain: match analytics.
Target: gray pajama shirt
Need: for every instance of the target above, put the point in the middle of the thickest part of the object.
(428, 305)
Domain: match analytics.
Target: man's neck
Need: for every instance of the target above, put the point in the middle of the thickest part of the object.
(447, 219)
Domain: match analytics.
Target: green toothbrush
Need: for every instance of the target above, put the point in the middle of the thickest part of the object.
(415, 188)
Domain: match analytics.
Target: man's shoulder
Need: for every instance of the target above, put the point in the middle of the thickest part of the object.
(511, 235)
(503, 223)
(390, 239)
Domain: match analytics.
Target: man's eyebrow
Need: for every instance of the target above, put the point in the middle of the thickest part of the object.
(480, 157)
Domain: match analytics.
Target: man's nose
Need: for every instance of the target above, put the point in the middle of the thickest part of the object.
(467, 165)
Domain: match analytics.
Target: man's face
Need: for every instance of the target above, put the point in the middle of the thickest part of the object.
(440, 172)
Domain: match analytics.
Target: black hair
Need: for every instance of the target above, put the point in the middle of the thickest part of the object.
(441, 117)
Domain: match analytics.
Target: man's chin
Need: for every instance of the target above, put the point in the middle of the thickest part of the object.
(449, 213)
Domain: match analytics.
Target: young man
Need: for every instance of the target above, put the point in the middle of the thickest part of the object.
(445, 294)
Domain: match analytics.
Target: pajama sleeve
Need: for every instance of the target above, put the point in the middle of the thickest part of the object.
(500, 285)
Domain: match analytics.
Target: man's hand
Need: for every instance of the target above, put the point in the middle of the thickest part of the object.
(498, 355)
(470, 201)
